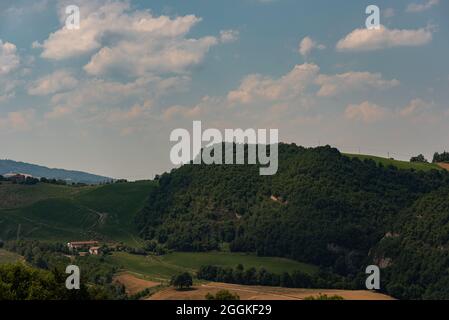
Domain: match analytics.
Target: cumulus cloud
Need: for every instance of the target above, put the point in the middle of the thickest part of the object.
(367, 40)
(104, 97)
(419, 7)
(366, 112)
(9, 59)
(7, 89)
(127, 41)
(336, 84)
(307, 45)
(56, 82)
(416, 107)
(256, 87)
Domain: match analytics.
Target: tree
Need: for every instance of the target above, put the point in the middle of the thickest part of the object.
(182, 281)
(223, 295)
(419, 158)
(441, 157)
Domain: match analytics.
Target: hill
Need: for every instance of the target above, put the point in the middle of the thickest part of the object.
(322, 207)
(10, 166)
(63, 213)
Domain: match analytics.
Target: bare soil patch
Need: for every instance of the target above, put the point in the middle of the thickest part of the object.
(444, 165)
(263, 293)
(134, 284)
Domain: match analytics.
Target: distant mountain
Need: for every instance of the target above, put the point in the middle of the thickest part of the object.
(10, 166)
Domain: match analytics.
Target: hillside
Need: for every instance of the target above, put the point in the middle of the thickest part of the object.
(63, 213)
(322, 208)
(397, 163)
(10, 166)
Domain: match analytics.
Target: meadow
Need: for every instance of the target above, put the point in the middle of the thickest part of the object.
(405, 165)
(161, 268)
(8, 257)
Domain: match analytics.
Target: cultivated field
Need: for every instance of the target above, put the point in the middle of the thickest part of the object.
(444, 165)
(134, 284)
(262, 293)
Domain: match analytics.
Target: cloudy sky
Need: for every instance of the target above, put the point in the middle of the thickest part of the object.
(105, 98)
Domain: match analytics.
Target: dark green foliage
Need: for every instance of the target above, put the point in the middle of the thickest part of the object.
(20, 282)
(262, 277)
(223, 295)
(182, 281)
(321, 207)
(420, 158)
(441, 157)
(52, 257)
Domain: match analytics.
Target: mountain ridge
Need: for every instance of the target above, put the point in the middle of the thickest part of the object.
(75, 176)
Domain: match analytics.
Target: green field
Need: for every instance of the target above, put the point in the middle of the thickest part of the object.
(8, 257)
(163, 267)
(67, 213)
(406, 165)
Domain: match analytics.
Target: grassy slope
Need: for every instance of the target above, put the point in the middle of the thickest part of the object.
(162, 268)
(62, 213)
(397, 163)
(8, 257)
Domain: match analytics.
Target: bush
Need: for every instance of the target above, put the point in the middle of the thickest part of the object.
(419, 158)
(223, 295)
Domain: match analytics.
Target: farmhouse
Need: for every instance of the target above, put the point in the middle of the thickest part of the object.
(81, 244)
(95, 251)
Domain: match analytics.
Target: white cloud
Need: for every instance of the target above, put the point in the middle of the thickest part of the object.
(256, 87)
(18, 120)
(346, 82)
(105, 97)
(416, 107)
(132, 42)
(7, 89)
(56, 82)
(366, 112)
(367, 40)
(419, 7)
(227, 36)
(9, 60)
(307, 45)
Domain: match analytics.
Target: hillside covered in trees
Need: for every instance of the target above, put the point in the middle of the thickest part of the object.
(322, 207)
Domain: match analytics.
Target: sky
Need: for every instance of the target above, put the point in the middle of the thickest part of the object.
(104, 98)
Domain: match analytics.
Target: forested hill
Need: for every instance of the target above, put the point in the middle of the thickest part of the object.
(321, 207)
(10, 166)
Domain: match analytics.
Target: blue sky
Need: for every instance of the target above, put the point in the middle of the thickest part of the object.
(105, 98)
